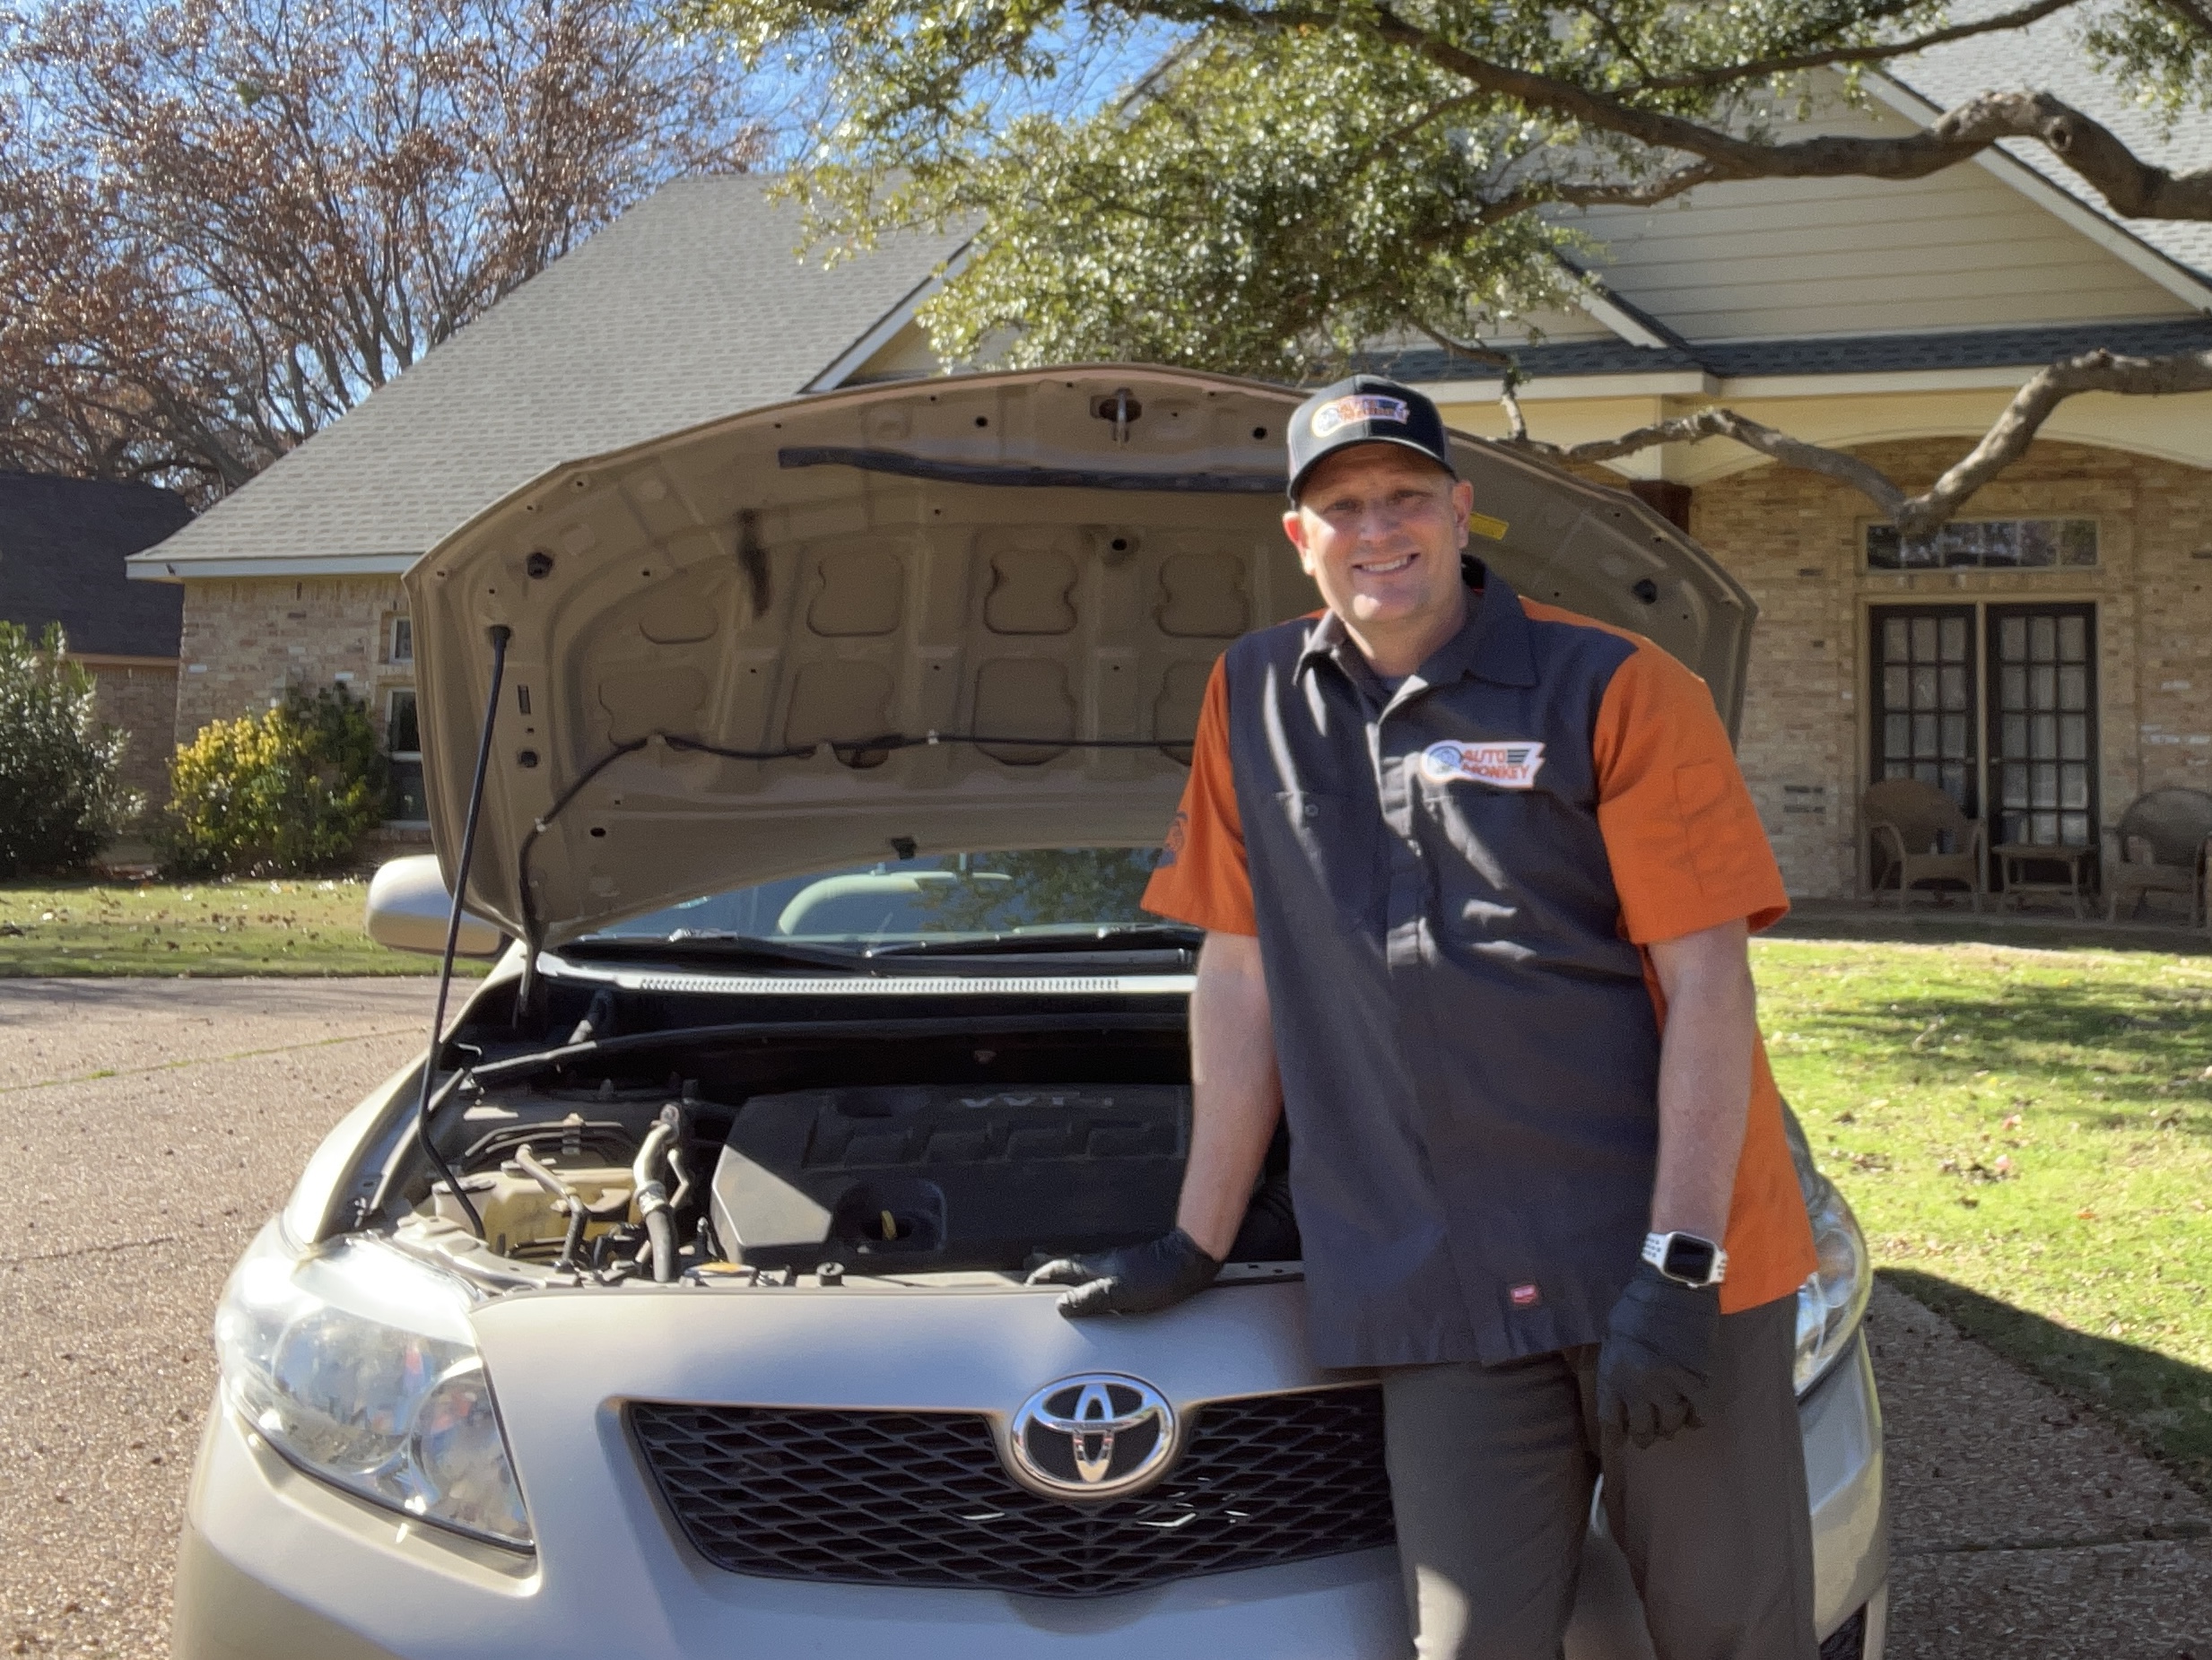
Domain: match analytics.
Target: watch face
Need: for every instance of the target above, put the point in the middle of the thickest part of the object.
(1688, 1259)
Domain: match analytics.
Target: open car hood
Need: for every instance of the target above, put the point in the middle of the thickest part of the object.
(1038, 557)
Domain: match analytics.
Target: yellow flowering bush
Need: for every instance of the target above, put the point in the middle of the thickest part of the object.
(289, 791)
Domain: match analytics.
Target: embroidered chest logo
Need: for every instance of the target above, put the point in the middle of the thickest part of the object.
(1509, 766)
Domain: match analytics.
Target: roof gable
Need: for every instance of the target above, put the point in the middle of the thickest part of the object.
(2044, 56)
(1802, 258)
(689, 307)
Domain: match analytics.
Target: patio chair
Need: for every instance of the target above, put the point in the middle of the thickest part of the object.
(1908, 821)
(2161, 839)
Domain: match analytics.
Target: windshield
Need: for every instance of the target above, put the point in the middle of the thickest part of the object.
(951, 896)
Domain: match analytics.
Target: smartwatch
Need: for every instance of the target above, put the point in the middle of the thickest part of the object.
(1686, 1258)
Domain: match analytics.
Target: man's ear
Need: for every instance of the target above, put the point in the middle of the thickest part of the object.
(1294, 527)
(1462, 507)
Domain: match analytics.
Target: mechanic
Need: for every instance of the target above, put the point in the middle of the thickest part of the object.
(1475, 874)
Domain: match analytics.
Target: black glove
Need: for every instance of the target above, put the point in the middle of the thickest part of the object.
(1136, 1279)
(1655, 1372)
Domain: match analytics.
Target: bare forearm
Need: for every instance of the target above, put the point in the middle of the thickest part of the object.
(1705, 1090)
(1236, 1096)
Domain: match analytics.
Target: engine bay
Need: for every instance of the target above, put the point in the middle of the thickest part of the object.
(965, 1151)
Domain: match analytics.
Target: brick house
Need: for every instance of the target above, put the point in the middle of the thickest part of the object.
(691, 307)
(2044, 658)
(2039, 659)
(63, 544)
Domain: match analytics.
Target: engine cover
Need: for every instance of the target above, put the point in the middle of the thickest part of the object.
(948, 1176)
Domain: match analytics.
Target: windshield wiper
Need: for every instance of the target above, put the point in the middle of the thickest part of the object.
(1106, 937)
(720, 946)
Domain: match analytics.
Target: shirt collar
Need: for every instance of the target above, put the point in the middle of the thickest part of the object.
(1492, 644)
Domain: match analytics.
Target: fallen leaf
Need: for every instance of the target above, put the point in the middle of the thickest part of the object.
(2085, 1216)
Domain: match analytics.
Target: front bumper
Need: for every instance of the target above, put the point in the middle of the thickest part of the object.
(276, 1564)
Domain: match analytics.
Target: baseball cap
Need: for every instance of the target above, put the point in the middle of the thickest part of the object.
(1365, 409)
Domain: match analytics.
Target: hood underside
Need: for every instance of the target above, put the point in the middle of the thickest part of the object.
(1049, 560)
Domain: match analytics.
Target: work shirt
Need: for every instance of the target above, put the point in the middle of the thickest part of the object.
(1452, 884)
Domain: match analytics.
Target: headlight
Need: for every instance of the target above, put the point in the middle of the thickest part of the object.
(358, 1364)
(1831, 1302)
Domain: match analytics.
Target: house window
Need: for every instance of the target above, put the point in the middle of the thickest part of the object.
(400, 641)
(403, 738)
(1986, 544)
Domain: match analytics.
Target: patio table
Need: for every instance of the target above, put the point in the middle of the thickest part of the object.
(2014, 857)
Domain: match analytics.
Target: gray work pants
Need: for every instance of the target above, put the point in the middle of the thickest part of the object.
(1492, 1469)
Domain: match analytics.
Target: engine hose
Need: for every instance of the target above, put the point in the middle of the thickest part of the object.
(569, 1199)
(571, 1243)
(660, 1230)
(653, 1200)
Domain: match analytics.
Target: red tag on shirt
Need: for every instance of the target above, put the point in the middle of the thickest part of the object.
(1525, 1296)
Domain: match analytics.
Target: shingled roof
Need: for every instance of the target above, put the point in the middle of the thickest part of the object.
(691, 306)
(1835, 354)
(62, 541)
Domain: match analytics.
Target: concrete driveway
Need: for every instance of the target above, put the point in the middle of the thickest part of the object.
(150, 1127)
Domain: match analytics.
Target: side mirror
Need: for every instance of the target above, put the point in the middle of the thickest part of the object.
(407, 912)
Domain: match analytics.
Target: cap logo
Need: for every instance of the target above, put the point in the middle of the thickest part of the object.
(1510, 766)
(1360, 406)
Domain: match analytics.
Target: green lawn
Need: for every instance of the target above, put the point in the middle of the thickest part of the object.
(215, 928)
(2028, 1137)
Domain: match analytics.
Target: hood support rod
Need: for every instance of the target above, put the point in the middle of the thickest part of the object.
(500, 635)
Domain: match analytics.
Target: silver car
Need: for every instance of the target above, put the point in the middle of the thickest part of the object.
(680, 1312)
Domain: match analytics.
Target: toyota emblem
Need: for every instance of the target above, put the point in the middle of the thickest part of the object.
(1093, 1436)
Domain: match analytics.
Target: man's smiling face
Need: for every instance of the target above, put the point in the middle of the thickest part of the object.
(1380, 529)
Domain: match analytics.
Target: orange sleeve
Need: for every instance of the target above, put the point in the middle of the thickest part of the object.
(1684, 837)
(1201, 878)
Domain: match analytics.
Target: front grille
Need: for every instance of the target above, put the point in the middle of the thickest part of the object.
(921, 1498)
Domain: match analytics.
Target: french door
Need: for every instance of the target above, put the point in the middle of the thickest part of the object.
(1995, 705)
(1926, 696)
(2043, 725)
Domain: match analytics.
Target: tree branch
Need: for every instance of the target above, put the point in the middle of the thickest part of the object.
(2004, 442)
(2134, 187)
(1732, 74)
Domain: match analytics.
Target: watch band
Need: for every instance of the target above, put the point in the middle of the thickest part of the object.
(1655, 1250)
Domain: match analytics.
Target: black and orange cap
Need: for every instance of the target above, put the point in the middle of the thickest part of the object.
(1365, 409)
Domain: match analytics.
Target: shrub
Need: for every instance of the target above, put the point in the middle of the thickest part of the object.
(61, 796)
(60, 790)
(292, 791)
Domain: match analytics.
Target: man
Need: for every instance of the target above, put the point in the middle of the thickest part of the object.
(1476, 875)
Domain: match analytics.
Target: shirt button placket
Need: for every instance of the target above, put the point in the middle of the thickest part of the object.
(1409, 880)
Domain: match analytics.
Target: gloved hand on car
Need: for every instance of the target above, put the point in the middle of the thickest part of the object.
(1136, 1279)
(1655, 1370)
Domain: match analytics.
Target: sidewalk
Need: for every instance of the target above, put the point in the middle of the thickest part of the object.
(2021, 1527)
